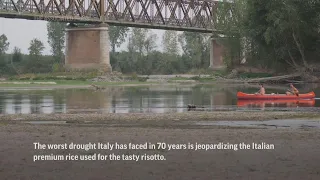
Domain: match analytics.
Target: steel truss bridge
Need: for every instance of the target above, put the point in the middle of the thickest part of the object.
(184, 15)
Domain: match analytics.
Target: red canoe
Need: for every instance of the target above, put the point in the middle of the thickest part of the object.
(244, 96)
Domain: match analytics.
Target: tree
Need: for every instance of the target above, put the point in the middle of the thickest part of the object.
(56, 39)
(4, 44)
(36, 48)
(196, 48)
(150, 43)
(16, 55)
(16, 58)
(117, 35)
(35, 64)
(285, 31)
(229, 18)
(137, 39)
(170, 42)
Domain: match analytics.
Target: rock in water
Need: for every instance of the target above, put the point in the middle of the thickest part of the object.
(192, 107)
(97, 87)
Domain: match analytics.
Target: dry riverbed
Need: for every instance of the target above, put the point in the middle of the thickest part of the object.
(154, 117)
(295, 155)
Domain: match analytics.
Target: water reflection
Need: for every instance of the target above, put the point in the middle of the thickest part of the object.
(155, 99)
(276, 103)
(18, 103)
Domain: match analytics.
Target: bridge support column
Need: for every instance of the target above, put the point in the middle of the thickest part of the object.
(87, 48)
(216, 55)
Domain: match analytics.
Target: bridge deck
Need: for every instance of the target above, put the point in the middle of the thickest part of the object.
(191, 15)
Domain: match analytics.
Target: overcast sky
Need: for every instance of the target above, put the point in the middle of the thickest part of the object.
(20, 32)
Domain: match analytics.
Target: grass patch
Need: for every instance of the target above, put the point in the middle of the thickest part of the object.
(220, 73)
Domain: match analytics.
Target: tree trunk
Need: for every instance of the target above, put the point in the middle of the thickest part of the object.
(294, 64)
(113, 47)
(14, 68)
(300, 50)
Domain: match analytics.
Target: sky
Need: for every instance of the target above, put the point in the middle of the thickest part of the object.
(20, 32)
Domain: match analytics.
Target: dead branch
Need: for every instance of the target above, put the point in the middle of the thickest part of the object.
(274, 78)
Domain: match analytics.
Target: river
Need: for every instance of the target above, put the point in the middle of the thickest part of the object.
(145, 99)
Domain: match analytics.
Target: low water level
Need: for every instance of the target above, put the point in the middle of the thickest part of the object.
(287, 123)
(269, 124)
(146, 99)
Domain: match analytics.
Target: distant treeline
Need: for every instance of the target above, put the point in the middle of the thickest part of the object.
(141, 56)
(125, 62)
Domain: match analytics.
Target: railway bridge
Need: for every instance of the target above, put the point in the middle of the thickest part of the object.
(88, 47)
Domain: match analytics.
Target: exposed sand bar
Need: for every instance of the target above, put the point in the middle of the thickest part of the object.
(295, 157)
(185, 116)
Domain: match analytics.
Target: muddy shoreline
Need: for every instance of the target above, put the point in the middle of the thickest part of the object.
(295, 157)
(155, 117)
(74, 86)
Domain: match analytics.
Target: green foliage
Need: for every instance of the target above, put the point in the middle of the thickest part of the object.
(36, 63)
(276, 34)
(196, 49)
(36, 48)
(137, 39)
(117, 35)
(56, 39)
(229, 18)
(150, 43)
(148, 62)
(56, 67)
(4, 44)
(141, 41)
(17, 55)
(170, 42)
(284, 32)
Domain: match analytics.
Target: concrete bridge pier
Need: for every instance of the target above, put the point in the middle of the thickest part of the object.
(87, 48)
(216, 55)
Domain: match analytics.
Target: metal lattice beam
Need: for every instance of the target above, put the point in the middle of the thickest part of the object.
(186, 15)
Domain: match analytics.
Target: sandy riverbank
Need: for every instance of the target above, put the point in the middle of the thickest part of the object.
(162, 117)
(84, 86)
(295, 157)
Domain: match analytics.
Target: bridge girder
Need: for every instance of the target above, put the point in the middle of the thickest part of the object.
(183, 15)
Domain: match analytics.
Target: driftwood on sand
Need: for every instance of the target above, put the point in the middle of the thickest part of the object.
(274, 78)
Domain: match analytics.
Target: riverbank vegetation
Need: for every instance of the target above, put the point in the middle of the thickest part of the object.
(275, 37)
(282, 35)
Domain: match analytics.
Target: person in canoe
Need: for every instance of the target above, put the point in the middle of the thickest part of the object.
(293, 91)
(262, 91)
